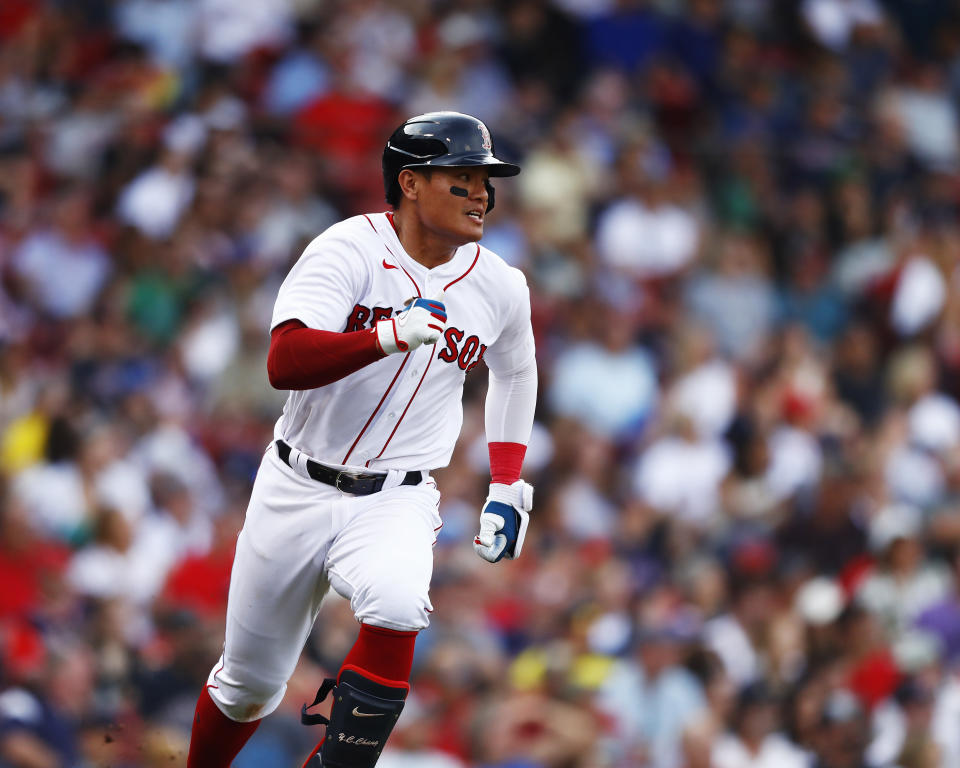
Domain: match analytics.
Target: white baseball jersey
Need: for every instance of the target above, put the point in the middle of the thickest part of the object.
(404, 411)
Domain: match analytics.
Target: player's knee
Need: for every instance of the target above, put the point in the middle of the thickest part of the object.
(244, 695)
(392, 603)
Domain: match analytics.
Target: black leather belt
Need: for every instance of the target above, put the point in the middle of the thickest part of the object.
(355, 483)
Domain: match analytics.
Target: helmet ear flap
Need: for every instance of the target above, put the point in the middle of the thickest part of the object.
(490, 194)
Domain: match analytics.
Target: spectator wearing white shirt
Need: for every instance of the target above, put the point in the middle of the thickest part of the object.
(652, 700)
(64, 267)
(755, 740)
(52, 490)
(156, 199)
(557, 184)
(736, 298)
(642, 234)
(737, 636)
(914, 470)
(927, 114)
(609, 387)
(110, 568)
(132, 562)
(229, 30)
(945, 723)
(904, 583)
(834, 22)
(680, 474)
(704, 387)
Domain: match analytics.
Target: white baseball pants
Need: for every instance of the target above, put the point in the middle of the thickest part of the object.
(299, 538)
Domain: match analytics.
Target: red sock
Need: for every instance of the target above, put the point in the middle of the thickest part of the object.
(386, 653)
(216, 739)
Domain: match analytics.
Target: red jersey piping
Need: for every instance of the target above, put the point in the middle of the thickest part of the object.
(475, 260)
(375, 410)
(409, 403)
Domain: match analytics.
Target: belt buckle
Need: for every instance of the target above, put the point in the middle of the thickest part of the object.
(336, 482)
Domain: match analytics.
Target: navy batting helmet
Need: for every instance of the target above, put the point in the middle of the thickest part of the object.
(440, 139)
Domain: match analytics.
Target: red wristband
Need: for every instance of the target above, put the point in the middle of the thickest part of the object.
(506, 461)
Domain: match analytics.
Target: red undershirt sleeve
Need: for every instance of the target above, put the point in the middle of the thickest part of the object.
(305, 358)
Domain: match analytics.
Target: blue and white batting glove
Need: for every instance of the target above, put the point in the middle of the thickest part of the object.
(504, 520)
(422, 321)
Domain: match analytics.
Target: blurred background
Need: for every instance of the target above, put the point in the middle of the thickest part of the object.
(738, 220)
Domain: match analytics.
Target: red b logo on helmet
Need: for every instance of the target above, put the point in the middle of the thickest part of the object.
(485, 141)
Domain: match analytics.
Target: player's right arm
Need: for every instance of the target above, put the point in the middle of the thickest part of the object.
(307, 358)
(308, 346)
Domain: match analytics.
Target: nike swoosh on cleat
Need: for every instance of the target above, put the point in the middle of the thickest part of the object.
(388, 266)
(358, 713)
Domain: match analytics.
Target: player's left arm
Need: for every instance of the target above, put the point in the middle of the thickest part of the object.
(509, 410)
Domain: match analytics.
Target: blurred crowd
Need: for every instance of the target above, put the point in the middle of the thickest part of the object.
(739, 223)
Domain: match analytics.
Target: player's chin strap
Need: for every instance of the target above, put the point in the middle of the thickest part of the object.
(363, 715)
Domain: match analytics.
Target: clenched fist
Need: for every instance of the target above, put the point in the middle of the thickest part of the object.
(504, 520)
(422, 321)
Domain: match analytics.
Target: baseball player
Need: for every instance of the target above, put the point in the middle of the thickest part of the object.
(373, 332)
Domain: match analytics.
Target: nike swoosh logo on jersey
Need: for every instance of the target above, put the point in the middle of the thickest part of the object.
(356, 710)
(388, 266)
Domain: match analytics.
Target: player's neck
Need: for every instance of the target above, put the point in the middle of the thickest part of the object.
(424, 246)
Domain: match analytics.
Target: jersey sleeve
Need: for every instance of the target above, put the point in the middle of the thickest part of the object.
(321, 288)
(512, 392)
(514, 348)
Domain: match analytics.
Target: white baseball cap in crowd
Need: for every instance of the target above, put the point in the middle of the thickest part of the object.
(819, 601)
(934, 423)
(915, 649)
(895, 521)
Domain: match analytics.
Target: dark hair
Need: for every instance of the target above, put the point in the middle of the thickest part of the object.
(63, 442)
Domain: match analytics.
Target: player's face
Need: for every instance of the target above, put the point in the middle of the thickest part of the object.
(455, 218)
